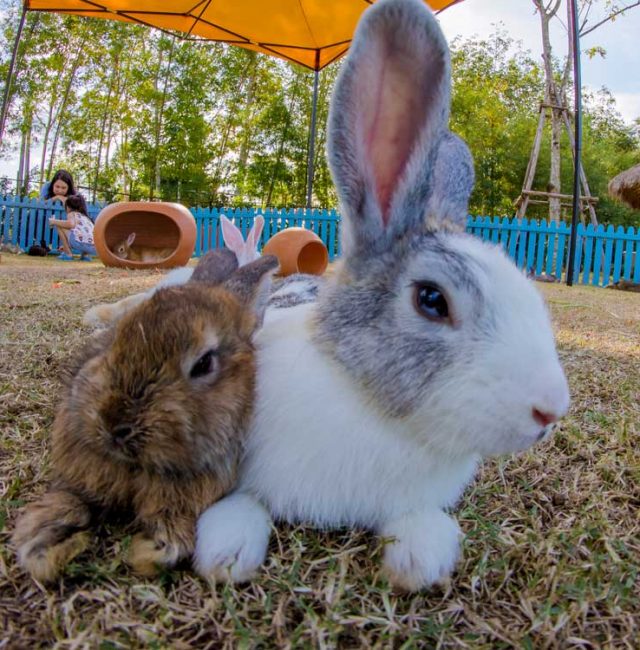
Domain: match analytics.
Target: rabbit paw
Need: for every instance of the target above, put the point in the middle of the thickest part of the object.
(423, 551)
(45, 562)
(51, 533)
(148, 555)
(105, 314)
(232, 539)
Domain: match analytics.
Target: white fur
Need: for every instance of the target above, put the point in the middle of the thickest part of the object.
(104, 315)
(177, 276)
(246, 251)
(423, 548)
(319, 451)
(323, 446)
(232, 539)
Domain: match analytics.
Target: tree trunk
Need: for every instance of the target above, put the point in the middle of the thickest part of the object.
(218, 180)
(61, 110)
(555, 183)
(20, 177)
(156, 179)
(115, 108)
(45, 138)
(283, 138)
(103, 126)
(27, 154)
(552, 97)
(245, 147)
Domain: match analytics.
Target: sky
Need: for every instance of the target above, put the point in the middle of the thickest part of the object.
(619, 71)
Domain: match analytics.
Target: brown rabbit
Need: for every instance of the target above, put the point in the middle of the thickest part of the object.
(125, 251)
(152, 420)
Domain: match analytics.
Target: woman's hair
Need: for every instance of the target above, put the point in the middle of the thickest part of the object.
(76, 203)
(65, 177)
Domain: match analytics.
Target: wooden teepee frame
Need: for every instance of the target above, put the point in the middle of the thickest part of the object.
(530, 196)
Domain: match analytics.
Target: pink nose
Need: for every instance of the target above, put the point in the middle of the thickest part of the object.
(544, 418)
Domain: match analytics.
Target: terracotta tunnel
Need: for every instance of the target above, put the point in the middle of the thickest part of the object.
(168, 227)
(299, 251)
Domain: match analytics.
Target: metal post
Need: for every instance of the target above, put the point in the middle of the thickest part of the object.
(577, 91)
(7, 85)
(312, 137)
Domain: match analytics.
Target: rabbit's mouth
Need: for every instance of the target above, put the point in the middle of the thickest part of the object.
(545, 433)
(124, 443)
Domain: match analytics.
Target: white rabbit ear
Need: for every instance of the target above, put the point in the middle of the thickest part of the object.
(231, 234)
(131, 238)
(389, 112)
(253, 238)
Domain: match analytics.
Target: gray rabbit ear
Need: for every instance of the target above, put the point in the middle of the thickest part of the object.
(389, 112)
(251, 283)
(215, 267)
(452, 183)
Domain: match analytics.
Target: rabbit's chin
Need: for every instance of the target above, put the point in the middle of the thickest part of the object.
(456, 431)
(517, 442)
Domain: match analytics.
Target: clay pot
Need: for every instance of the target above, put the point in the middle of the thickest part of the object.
(299, 251)
(158, 225)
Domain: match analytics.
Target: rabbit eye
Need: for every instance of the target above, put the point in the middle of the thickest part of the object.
(431, 303)
(205, 365)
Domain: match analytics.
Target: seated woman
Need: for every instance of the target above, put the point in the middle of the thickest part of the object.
(76, 231)
(59, 187)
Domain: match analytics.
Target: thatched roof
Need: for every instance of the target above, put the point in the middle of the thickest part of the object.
(626, 187)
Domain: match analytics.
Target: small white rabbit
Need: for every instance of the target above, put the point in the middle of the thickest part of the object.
(426, 351)
(246, 251)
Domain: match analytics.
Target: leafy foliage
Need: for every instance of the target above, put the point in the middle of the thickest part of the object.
(138, 114)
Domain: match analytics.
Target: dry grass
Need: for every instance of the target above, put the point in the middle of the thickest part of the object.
(551, 556)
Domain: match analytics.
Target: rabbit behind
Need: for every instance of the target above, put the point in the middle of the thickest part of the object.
(39, 250)
(125, 250)
(427, 350)
(152, 421)
(246, 251)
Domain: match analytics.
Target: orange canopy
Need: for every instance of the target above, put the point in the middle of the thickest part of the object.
(312, 33)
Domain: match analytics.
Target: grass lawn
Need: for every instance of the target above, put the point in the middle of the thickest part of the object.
(552, 549)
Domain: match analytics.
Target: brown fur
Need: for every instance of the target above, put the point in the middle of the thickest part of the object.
(185, 434)
(126, 251)
(625, 285)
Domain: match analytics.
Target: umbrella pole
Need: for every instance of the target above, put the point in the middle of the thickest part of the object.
(577, 91)
(312, 138)
(7, 85)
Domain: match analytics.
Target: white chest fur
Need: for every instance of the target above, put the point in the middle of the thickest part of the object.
(319, 452)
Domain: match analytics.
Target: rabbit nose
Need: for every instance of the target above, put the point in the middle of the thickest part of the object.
(121, 433)
(551, 401)
(544, 418)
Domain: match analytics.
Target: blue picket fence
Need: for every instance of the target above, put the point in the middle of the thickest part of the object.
(604, 255)
(24, 221)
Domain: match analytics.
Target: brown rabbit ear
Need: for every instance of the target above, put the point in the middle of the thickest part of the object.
(251, 284)
(215, 267)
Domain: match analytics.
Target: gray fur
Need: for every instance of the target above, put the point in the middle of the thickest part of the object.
(294, 290)
(359, 318)
(251, 283)
(405, 37)
(453, 179)
(357, 325)
(215, 267)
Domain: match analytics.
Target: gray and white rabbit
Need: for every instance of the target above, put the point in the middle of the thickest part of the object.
(427, 351)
